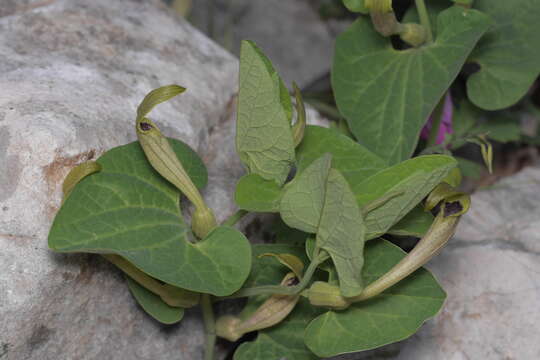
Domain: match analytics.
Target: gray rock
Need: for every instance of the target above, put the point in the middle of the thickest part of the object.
(490, 272)
(291, 33)
(71, 75)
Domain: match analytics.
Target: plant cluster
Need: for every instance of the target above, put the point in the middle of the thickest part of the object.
(480, 58)
(332, 282)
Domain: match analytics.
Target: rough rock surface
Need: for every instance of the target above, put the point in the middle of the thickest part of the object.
(490, 271)
(291, 33)
(71, 75)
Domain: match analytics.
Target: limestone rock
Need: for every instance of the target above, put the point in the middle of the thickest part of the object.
(291, 33)
(71, 75)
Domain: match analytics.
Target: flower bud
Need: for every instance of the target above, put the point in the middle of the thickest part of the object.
(327, 295)
(227, 327)
(203, 221)
(413, 34)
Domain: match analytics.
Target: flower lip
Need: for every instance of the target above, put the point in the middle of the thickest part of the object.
(145, 126)
(452, 208)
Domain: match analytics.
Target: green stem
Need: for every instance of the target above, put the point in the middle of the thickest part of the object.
(234, 218)
(424, 19)
(209, 325)
(282, 290)
(436, 123)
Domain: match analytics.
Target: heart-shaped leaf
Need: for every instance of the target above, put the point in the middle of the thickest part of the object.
(392, 316)
(508, 54)
(130, 210)
(353, 161)
(153, 305)
(264, 139)
(253, 193)
(386, 95)
(405, 184)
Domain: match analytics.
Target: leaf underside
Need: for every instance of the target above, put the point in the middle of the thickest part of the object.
(264, 139)
(341, 233)
(411, 181)
(253, 193)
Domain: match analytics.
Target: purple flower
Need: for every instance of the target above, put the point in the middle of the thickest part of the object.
(446, 122)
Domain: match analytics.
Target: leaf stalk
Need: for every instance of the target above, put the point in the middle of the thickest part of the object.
(210, 327)
(424, 19)
(283, 290)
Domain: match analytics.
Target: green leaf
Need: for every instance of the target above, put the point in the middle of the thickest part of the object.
(386, 95)
(415, 223)
(129, 210)
(253, 193)
(341, 233)
(352, 160)
(303, 198)
(469, 168)
(284, 234)
(319, 200)
(392, 316)
(464, 119)
(413, 178)
(264, 139)
(153, 305)
(500, 128)
(508, 55)
(356, 6)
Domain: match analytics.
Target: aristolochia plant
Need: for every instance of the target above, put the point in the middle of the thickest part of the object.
(343, 288)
